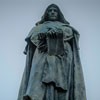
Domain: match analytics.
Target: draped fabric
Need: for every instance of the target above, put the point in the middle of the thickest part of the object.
(52, 77)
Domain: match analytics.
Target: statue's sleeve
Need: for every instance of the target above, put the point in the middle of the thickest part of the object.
(67, 33)
(76, 36)
(36, 31)
(29, 51)
(31, 38)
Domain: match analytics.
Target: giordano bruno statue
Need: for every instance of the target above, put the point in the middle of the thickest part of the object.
(53, 69)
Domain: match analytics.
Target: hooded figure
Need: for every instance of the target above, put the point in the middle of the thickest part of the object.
(53, 69)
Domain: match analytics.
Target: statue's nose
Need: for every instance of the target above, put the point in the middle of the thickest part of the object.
(52, 12)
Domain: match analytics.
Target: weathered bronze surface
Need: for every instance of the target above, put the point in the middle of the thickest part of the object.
(53, 69)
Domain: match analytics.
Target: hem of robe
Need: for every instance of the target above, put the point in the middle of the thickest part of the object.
(55, 84)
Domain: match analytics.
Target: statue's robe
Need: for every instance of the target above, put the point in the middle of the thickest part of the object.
(52, 77)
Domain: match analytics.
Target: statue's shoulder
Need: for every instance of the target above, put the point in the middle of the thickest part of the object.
(71, 27)
(74, 30)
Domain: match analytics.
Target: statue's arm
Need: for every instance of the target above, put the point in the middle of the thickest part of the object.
(29, 47)
(68, 33)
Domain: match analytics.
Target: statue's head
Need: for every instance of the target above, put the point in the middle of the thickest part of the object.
(53, 13)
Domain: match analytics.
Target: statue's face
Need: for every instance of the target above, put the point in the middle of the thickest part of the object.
(52, 14)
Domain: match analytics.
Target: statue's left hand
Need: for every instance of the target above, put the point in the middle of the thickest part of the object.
(59, 33)
(51, 33)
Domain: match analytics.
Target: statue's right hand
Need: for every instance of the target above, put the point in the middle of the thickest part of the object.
(42, 43)
(41, 36)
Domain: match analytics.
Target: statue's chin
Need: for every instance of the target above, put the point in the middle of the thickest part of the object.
(52, 19)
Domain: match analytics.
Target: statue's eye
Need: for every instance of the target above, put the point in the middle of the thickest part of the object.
(52, 10)
(55, 10)
(49, 10)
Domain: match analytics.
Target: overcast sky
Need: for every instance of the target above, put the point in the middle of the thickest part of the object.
(17, 17)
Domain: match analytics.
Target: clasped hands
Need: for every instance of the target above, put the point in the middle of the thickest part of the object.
(52, 33)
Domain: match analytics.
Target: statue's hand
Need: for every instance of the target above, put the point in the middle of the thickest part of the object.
(51, 33)
(59, 33)
(41, 36)
(42, 43)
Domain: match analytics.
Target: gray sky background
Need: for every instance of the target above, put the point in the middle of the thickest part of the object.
(17, 17)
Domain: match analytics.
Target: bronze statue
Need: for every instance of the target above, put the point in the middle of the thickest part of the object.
(53, 70)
